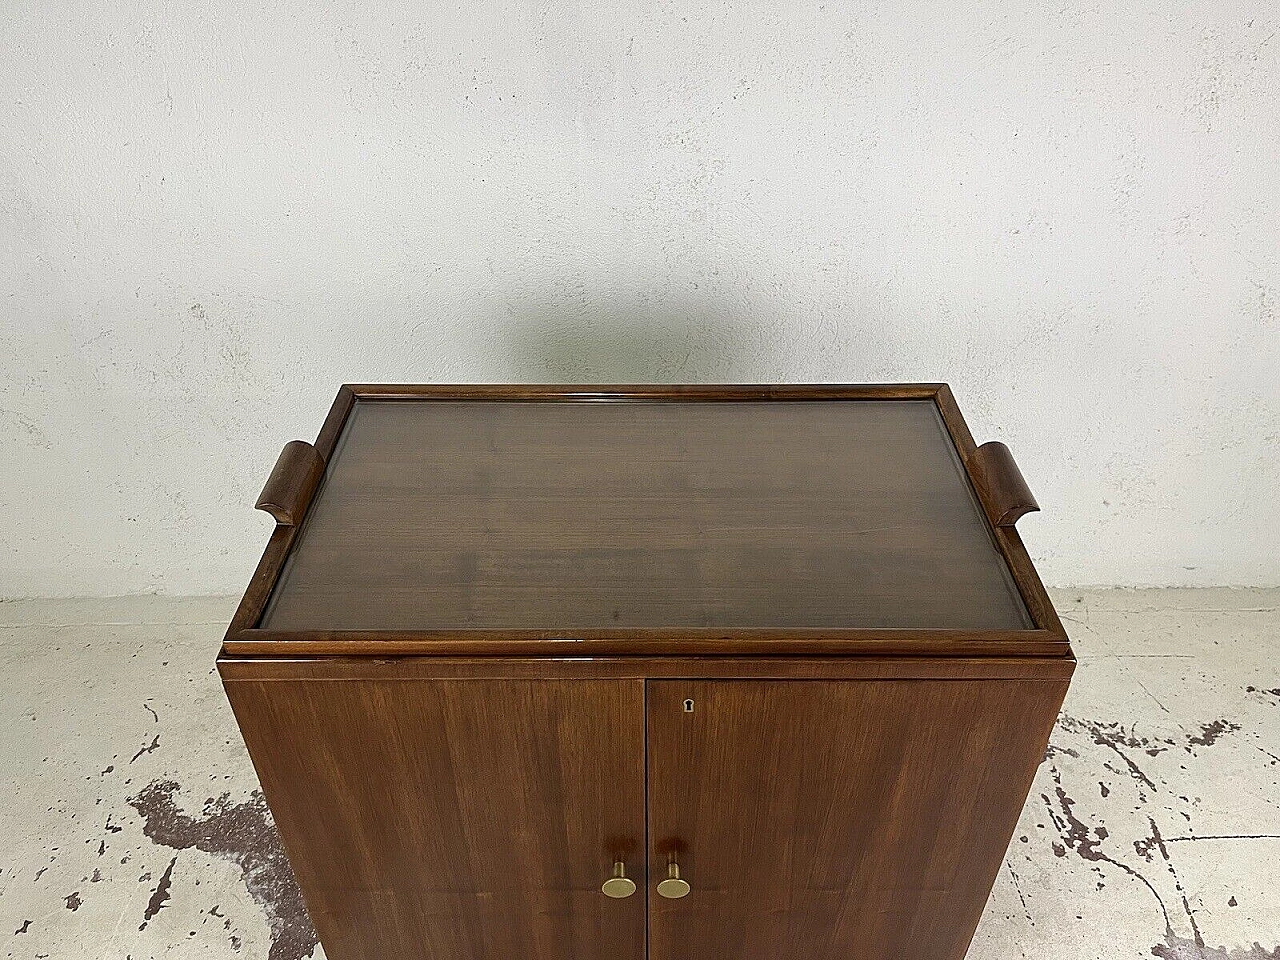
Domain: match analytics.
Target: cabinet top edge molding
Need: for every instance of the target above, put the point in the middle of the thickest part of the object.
(645, 520)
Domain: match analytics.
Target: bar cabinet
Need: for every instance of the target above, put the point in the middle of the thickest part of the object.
(645, 672)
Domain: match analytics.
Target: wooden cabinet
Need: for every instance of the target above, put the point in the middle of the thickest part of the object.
(831, 819)
(774, 655)
(456, 818)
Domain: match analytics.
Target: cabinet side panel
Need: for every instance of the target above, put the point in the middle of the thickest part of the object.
(823, 820)
(456, 819)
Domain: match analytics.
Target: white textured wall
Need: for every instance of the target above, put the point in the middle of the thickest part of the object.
(213, 213)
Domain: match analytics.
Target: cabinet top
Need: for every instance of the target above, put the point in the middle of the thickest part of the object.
(645, 520)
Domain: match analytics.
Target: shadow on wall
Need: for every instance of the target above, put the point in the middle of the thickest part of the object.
(696, 342)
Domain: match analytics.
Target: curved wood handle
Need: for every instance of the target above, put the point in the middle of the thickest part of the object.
(293, 480)
(1004, 492)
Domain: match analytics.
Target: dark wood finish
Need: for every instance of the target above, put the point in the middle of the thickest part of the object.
(335, 421)
(641, 515)
(456, 820)
(460, 669)
(260, 587)
(273, 559)
(824, 821)
(292, 483)
(635, 668)
(245, 636)
(1004, 492)
(288, 492)
(1011, 546)
(709, 393)
(617, 643)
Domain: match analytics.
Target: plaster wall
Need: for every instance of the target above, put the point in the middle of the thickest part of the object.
(211, 214)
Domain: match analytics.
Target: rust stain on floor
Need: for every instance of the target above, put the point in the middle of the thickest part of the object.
(1086, 839)
(1178, 948)
(245, 834)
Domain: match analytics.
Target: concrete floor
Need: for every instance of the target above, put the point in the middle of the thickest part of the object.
(132, 827)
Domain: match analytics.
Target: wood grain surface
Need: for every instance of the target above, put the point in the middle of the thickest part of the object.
(463, 675)
(456, 819)
(638, 668)
(645, 515)
(823, 820)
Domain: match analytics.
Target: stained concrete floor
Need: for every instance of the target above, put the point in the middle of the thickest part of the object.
(131, 825)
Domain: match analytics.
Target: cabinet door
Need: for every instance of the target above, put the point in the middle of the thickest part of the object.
(456, 819)
(820, 820)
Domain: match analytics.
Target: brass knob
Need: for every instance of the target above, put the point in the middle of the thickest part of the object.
(619, 885)
(673, 888)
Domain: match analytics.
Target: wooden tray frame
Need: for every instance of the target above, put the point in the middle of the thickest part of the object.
(991, 472)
